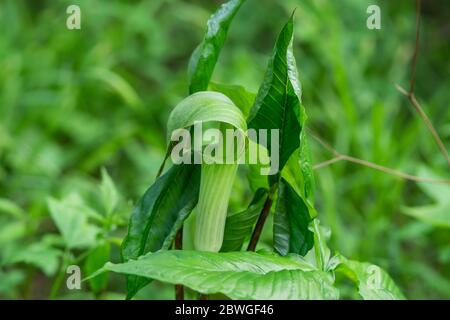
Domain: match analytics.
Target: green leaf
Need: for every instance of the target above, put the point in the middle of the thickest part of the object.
(291, 222)
(437, 192)
(242, 98)
(39, 255)
(254, 176)
(159, 214)
(71, 217)
(322, 251)
(307, 172)
(94, 261)
(238, 275)
(278, 104)
(373, 282)
(238, 226)
(204, 58)
(205, 106)
(437, 214)
(110, 196)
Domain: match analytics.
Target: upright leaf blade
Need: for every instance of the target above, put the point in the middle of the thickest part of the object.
(110, 196)
(277, 105)
(239, 225)
(291, 222)
(159, 214)
(238, 275)
(204, 58)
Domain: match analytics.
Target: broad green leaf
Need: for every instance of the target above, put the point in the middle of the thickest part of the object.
(110, 196)
(94, 261)
(159, 214)
(291, 222)
(71, 217)
(205, 106)
(204, 58)
(437, 214)
(278, 105)
(242, 98)
(38, 254)
(238, 275)
(373, 282)
(239, 226)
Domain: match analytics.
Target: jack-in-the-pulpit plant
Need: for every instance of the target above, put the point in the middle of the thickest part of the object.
(297, 263)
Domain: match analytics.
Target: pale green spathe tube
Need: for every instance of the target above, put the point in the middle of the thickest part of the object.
(216, 178)
(215, 190)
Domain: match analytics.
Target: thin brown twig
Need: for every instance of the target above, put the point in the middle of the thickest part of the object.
(410, 94)
(343, 157)
(416, 48)
(322, 142)
(328, 162)
(179, 289)
(412, 99)
(261, 220)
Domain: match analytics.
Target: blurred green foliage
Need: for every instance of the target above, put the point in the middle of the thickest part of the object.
(75, 101)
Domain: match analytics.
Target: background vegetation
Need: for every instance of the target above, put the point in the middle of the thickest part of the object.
(74, 102)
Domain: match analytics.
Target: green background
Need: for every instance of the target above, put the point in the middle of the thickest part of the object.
(75, 101)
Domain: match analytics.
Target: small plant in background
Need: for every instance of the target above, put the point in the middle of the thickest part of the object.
(300, 265)
(87, 232)
(86, 223)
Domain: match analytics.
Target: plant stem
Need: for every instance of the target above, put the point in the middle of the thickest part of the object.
(179, 289)
(410, 94)
(416, 49)
(60, 276)
(415, 104)
(262, 219)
